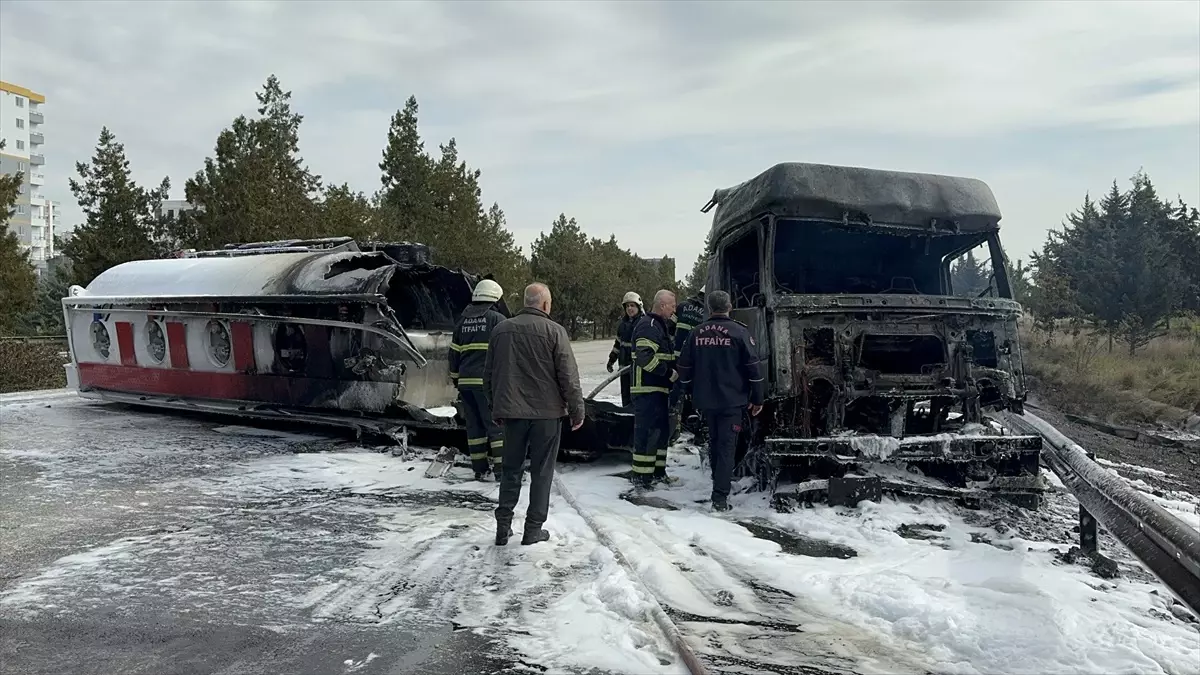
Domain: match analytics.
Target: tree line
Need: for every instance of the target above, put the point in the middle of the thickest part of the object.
(257, 187)
(1123, 266)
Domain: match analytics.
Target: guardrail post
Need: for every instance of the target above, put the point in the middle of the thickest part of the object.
(1089, 539)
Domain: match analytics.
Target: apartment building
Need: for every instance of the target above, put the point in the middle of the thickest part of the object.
(21, 127)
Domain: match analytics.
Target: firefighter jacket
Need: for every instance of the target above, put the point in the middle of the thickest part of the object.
(688, 315)
(622, 351)
(653, 356)
(468, 347)
(719, 366)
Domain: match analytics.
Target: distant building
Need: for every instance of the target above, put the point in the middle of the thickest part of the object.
(173, 208)
(21, 120)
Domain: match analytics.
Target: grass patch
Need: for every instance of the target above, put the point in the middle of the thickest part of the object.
(1078, 373)
(26, 366)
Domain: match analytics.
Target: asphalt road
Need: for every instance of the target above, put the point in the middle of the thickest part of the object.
(129, 544)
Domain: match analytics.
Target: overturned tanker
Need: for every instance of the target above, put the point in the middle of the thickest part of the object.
(874, 360)
(320, 331)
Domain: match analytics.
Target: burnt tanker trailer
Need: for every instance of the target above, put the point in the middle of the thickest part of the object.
(323, 332)
(872, 357)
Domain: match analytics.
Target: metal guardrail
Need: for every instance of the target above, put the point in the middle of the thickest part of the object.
(1166, 545)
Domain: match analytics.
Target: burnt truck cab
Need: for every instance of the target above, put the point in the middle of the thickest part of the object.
(843, 276)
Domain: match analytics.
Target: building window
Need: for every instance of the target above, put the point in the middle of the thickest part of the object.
(20, 123)
(20, 208)
(21, 167)
(20, 145)
(20, 101)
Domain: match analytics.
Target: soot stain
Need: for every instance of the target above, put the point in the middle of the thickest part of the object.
(795, 544)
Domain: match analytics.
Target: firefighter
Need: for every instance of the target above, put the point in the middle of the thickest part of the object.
(688, 315)
(653, 376)
(468, 351)
(719, 368)
(622, 351)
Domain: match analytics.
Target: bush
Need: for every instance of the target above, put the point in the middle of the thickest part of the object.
(1078, 373)
(26, 366)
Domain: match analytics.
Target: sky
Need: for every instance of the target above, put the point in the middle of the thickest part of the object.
(627, 115)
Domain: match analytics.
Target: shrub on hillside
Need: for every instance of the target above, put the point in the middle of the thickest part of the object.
(25, 366)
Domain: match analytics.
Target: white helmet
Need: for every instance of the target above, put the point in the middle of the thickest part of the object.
(487, 291)
(631, 297)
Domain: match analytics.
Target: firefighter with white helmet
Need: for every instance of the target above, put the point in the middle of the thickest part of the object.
(622, 351)
(468, 352)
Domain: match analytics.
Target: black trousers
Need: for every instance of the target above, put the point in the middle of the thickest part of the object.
(538, 441)
(484, 438)
(724, 425)
(651, 433)
(625, 397)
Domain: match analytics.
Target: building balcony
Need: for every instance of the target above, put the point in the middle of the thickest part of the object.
(37, 160)
(35, 117)
(36, 138)
(37, 178)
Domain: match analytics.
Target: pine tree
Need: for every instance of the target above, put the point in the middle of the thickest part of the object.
(696, 279)
(968, 276)
(257, 187)
(407, 172)
(561, 258)
(439, 203)
(120, 216)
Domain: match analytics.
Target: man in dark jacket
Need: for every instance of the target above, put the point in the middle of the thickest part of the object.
(653, 377)
(532, 382)
(468, 351)
(719, 367)
(622, 351)
(689, 314)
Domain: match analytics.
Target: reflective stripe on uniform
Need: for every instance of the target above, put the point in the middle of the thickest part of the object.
(643, 463)
(660, 460)
(473, 346)
(454, 376)
(647, 342)
(476, 441)
(639, 388)
(471, 380)
(657, 358)
(684, 326)
(497, 460)
(496, 444)
(477, 456)
(625, 344)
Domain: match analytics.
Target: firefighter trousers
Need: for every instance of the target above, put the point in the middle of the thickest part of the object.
(485, 440)
(724, 426)
(651, 432)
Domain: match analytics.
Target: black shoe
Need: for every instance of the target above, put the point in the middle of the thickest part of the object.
(664, 478)
(502, 535)
(720, 505)
(535, 537)
(481, 476)
(642, 480)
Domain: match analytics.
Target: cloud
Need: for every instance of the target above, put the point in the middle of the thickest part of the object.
(627, 115)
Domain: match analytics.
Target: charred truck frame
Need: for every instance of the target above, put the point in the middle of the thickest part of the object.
(843, 276)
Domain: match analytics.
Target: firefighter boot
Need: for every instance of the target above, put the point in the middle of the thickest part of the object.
(503, 532)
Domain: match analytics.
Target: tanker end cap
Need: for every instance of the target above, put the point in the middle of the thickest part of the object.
(487, 291)
(76, 291)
